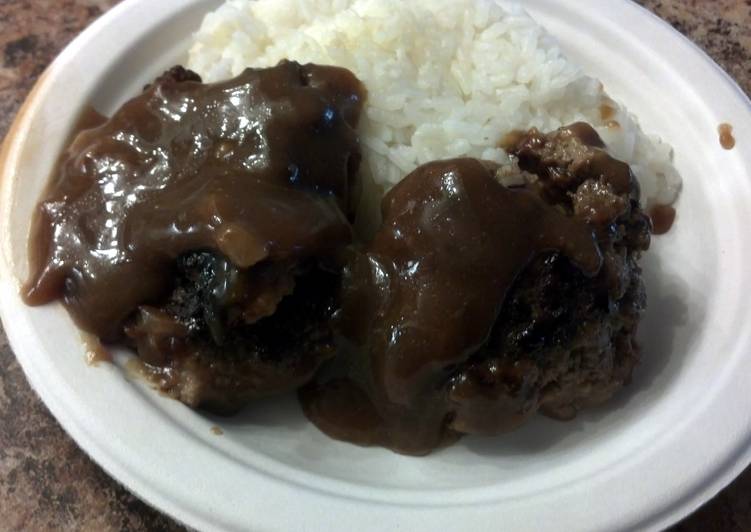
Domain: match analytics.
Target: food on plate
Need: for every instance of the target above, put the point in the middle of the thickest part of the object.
(477, 305)
(446, 78)
(663, 218)
(228, 232)
(204, 224)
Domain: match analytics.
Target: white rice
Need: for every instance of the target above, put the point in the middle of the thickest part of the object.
(445, 78)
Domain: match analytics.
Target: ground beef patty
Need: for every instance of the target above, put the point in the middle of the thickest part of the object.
(227, 335)
(477, 305)
(204, 225)
(564, 341)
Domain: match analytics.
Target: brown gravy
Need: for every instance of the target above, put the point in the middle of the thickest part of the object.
(255, 168)
(607, 112)
(663, 217)
(511, 139)
(89, 118)
(425, 296)
(727, 141)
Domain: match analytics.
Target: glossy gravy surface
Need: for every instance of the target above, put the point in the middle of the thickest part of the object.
(663, 218)
(256, 168)
(425, 295)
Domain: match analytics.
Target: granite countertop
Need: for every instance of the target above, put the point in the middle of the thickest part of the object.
(46, 482)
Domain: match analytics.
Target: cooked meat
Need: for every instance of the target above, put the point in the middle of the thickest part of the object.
(218, 358)
(478, 305)
(198, 220)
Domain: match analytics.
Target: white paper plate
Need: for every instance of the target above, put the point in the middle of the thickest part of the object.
(668, 443)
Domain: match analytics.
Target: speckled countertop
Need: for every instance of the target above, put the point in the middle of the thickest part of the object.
(46, 482)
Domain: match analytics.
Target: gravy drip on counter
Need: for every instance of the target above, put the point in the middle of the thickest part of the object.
(257, 169)
(425, 296)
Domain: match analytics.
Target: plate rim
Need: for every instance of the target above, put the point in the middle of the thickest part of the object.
(12, 145)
